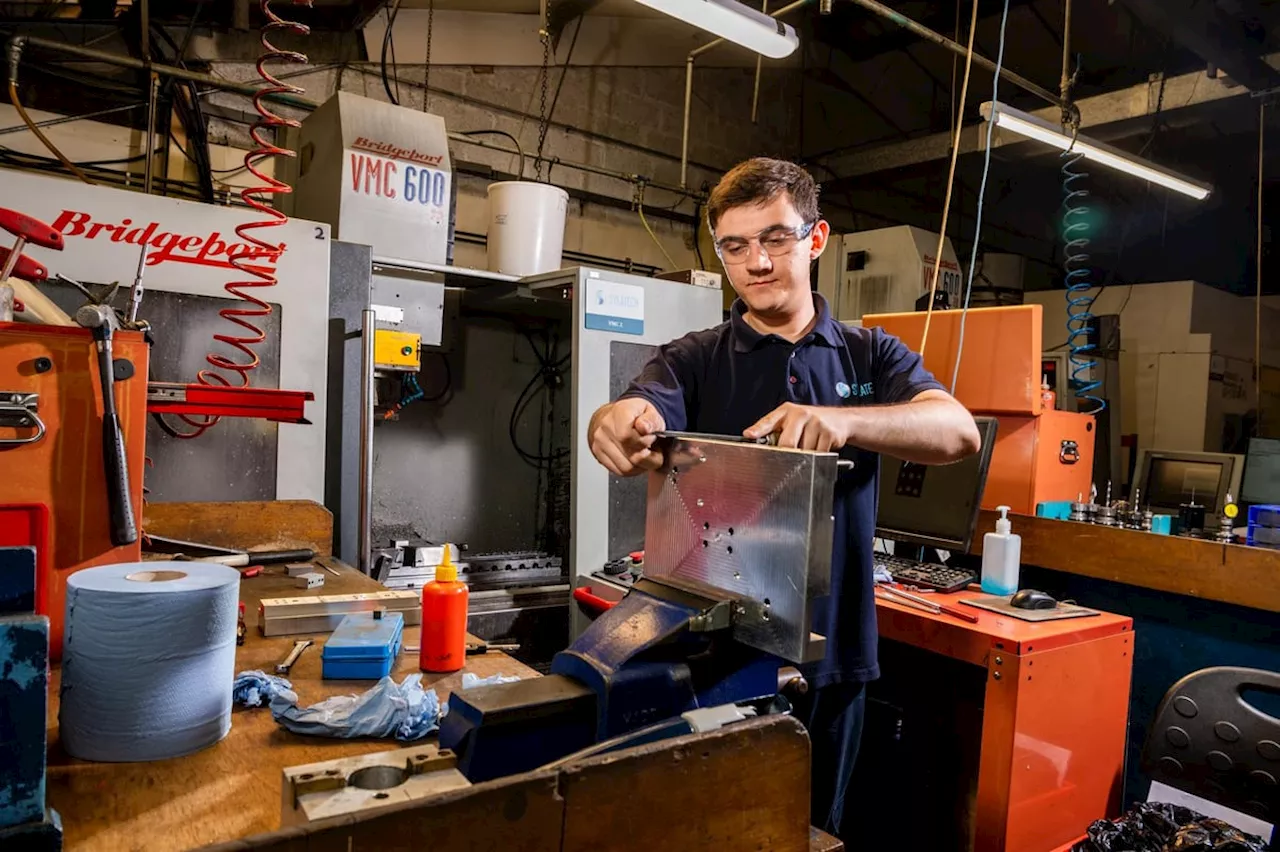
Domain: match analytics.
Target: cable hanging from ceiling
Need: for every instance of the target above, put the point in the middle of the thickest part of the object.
(982, 195)
(1077, 227)
(951, 178)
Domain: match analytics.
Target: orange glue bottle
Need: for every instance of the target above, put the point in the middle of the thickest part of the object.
(1047, 395)
(443, 647)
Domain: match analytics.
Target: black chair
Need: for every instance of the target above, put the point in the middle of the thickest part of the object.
(1208, 741)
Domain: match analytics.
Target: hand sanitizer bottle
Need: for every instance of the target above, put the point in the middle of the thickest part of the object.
(1001, 557)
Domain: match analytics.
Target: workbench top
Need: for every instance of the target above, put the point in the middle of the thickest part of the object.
(993, 631)
(232, 789)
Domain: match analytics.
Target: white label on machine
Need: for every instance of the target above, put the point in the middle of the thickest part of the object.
(615, 307)
(388, 313)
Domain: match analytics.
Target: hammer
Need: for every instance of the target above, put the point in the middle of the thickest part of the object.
(102, 321)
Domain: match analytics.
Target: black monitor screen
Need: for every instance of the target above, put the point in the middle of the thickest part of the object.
(1172, 482)
(1262, 472)
(934, 504)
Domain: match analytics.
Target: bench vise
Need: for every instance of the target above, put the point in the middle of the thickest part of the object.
(738, 541)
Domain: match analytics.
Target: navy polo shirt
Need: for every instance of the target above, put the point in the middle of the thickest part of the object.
(724, 379)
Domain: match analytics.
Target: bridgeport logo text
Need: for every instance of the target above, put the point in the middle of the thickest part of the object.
(212, 249)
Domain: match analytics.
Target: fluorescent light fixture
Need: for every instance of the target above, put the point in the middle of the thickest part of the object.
(734, 22)
(1028, 125)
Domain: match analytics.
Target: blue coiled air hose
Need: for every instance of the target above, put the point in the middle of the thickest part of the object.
(1076, 226)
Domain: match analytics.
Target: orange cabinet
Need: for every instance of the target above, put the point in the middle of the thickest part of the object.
(1040, 455)
(62, 470)
(1040, 459)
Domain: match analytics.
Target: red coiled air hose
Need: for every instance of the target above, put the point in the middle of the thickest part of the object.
(268, 254)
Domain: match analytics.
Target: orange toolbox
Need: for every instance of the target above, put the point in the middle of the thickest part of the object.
(54, 494)
(1041, 455)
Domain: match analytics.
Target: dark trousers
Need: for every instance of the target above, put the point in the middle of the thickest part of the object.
(833, 715)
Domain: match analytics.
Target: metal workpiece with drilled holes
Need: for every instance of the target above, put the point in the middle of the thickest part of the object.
(351, 786)
(752, 523)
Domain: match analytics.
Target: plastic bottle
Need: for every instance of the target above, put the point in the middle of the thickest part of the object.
(1047, 395)
(1001, 557)
(443, 647)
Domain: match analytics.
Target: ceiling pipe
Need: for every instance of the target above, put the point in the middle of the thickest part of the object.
(16, 44)
(955, 47)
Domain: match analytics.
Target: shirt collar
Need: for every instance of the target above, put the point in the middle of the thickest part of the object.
(746, 338)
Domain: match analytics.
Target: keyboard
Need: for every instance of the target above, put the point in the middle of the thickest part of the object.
(922, 575)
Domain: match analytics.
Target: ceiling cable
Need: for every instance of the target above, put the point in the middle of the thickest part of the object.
(951, 178)
(982, 193)
(1257, 307)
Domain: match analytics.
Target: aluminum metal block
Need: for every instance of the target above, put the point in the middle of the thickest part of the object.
(748, 522)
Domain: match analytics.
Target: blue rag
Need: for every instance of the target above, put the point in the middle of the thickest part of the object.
(405, 711)
(257, 688)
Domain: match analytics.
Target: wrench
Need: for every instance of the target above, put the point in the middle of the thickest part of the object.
(299, 646)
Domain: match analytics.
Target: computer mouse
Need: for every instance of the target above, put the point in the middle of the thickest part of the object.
(1031, 599)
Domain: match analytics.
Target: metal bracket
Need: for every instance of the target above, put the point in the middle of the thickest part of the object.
(715, 609)
(18, 410)
(716, 617)
(376, 776)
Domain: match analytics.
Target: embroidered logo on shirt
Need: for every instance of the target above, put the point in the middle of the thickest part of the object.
(845, 391)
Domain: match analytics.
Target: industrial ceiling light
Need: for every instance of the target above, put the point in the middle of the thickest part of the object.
(733, 22)
(1028, 125)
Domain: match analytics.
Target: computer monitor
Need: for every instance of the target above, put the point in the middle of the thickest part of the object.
(1169, 478)
(935, 505)
(1261, 472)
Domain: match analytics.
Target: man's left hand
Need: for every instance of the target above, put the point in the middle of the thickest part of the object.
(807, 427)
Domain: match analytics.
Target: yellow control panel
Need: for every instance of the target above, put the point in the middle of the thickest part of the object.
(396, 350)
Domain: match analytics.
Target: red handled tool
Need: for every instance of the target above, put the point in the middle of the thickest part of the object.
(24, 267)
(27, 230)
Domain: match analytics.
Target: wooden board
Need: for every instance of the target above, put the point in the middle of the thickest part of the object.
(1227, 573)
(232, 789)
(519, 814)
(248, 525)
(745, 787)
(820, 841)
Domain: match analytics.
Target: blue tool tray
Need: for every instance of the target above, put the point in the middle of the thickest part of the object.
(363, 647)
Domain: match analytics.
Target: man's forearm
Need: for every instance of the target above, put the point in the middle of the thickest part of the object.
(928, 430)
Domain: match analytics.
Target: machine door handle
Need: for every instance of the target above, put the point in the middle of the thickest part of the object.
(593, 602)
(1070, 452)
(19, 411)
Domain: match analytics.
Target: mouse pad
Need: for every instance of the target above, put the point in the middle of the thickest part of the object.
(1000, 604)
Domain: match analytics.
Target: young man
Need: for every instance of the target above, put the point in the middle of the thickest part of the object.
(781, 365)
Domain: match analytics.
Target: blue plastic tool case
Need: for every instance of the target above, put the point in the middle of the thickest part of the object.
(363, 647)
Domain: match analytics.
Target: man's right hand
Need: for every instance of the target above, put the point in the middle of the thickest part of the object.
(622, 435)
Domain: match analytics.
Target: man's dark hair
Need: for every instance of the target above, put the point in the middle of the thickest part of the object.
(759, 181)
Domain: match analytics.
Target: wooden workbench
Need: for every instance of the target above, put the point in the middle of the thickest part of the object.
(232, 789)
(1226, 573)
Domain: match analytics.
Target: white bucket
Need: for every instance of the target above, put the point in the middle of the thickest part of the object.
(526, 227)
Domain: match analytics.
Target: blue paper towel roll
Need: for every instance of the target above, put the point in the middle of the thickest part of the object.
(148, 660)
